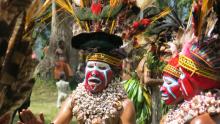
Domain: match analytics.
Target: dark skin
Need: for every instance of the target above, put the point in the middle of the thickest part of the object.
(206, 119)
(29, 118)
(65, 115)
(127, 114)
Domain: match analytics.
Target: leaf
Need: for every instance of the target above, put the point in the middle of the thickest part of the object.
(43, 8)
(140, 94)
(126, 84)
(131, 85)
(132, 90)
(135, 90)
(32, 11)
(141, 119)
(84, 14)
(147, 112)
(109, 12)
(65, 4)
(165, 12)
(147, 98)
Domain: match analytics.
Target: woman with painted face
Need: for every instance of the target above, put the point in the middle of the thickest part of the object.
(100, 98)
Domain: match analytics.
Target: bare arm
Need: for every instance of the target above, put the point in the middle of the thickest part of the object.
(65, 115)
(128, 114)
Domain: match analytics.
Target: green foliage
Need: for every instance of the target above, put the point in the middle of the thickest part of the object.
(141, 99)
(177, 18)
(41, 32)
(136, 56)
(107, 12)
(154, 64)
(165, 108)
(42, 35)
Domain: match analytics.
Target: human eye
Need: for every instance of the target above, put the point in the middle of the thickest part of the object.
(182, 75)
(90, 66)
(168, 82)
(102, 67)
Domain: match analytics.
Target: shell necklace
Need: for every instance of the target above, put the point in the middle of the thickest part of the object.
(199, 104)
(107, 104)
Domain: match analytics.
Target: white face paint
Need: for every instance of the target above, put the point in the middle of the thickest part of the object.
(97, 75)
(182, 76)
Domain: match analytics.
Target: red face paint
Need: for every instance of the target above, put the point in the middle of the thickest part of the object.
(97, 76)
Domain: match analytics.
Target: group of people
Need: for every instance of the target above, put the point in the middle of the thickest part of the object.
(191, 82)
(192, 78)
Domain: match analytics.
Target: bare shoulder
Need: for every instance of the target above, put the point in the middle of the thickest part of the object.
(128, 113)
(206, 118)
(127, 103)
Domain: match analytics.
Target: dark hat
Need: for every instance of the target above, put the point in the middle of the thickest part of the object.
(102, 47)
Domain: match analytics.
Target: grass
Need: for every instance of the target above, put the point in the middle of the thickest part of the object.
(43, 99)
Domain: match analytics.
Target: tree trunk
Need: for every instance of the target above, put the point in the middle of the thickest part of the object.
(45, 67)
(151, 80)
(156, 104)
(61, 29)
(156, 107)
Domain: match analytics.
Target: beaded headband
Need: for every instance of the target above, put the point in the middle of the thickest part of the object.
(190, 65)
(172, 70)
(104, 58)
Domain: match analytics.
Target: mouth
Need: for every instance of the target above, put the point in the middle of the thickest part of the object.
(164, 97)
(94, 81)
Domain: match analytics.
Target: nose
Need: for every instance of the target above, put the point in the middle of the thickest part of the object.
(94, 73)
(162, 89)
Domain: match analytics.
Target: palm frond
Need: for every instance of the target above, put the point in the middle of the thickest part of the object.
(66, 5)
(36, 9)
(141, 99)
(163, 13)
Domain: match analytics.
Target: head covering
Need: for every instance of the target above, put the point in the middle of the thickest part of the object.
(103, 20)
(170, 90)
(203, 59)
(171, 68)
(99, 23)
(102, 47)
(200, 64)
(199, 59)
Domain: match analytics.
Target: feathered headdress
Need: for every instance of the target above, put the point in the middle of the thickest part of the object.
(120, 17)
(104, 24)
(199, 58)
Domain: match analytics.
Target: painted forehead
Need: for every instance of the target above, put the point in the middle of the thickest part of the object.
(98, 63)
(171, 81)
